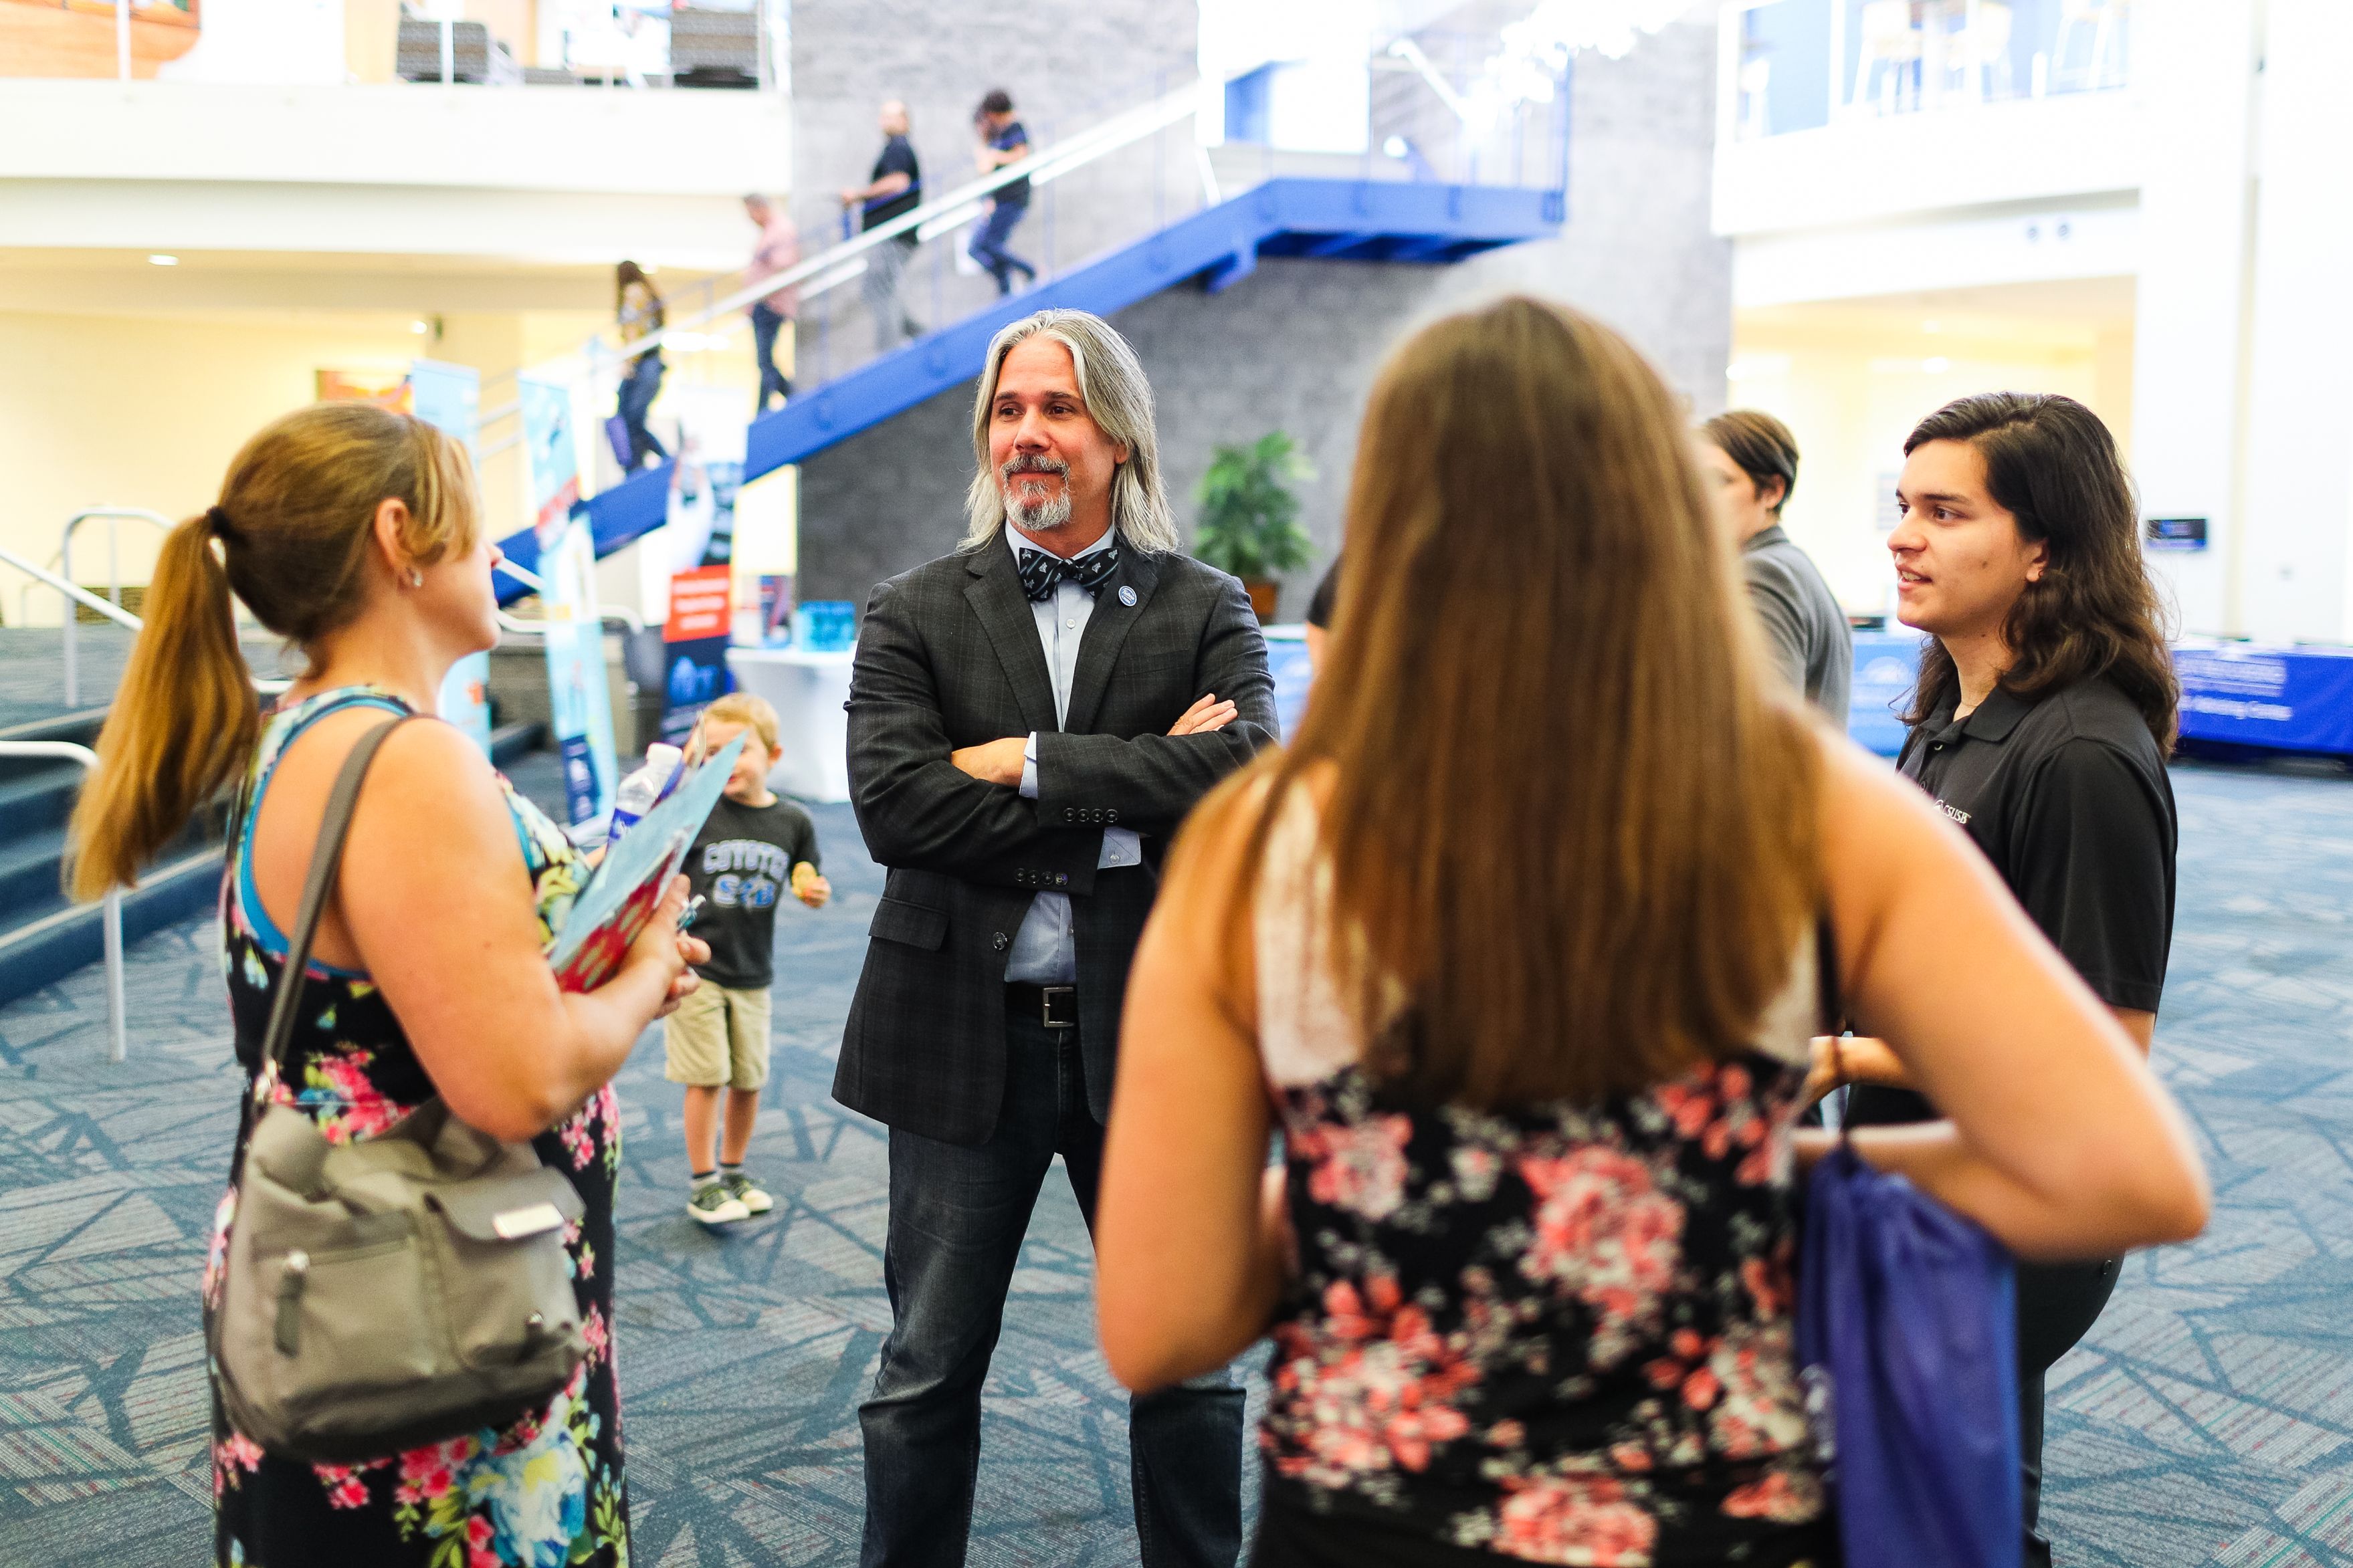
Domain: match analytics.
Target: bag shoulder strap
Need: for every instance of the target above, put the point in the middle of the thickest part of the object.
(325, 859)
(1826, 974)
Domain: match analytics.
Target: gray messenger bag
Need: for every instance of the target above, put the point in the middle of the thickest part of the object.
(395, 1292)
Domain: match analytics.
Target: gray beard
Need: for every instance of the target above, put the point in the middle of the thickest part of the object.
(1036, 517)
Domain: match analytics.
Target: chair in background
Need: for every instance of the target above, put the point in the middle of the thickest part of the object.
(1976, 55)
(2103, 25)
(1892, 49)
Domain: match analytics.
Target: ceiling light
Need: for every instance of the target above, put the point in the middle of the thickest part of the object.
(160, 259)
(420, 328)
(1936, 365)
(1395, 147)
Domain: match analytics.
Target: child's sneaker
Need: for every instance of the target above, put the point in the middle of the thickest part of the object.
(747, 1192)
(713, 1204)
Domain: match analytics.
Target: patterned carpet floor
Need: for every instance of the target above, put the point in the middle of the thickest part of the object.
(2207, 1420)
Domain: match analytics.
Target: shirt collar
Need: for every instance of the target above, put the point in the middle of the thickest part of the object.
(1763, 537)
(1017, 542)
(1993, 718)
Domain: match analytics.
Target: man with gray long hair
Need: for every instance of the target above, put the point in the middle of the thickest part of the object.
(1030, 718)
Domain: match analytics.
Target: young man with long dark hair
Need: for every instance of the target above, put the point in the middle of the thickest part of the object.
(2041, 724)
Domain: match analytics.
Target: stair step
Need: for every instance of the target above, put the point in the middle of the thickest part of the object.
(39, 796)
(81, 727)
(29, 865)
(46, 950)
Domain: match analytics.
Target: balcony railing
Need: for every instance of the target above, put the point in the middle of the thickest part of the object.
(741, 44)
(1798, 65)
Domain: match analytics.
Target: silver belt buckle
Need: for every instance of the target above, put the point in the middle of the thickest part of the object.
(1059, 1007)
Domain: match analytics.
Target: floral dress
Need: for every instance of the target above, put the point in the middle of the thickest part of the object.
(1555, 1333)
(544, 1491)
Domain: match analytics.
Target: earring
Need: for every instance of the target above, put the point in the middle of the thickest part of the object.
(415, 578)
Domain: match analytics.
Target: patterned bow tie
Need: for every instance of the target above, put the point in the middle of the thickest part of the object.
(1043, 573)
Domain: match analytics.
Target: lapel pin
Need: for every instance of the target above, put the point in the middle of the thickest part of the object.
(1127, 595)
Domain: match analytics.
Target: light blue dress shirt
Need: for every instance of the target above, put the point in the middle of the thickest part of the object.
(1045, 950)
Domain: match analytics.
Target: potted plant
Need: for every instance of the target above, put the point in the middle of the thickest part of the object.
(1250, 518)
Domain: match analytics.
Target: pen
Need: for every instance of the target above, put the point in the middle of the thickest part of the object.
(693, 908)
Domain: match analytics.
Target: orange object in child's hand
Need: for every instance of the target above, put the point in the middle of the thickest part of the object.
(808, 887)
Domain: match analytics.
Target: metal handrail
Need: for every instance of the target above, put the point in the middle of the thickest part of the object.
(530, 579)
(1070, 152)
(110, 904)
(112, 612)
(113, 515)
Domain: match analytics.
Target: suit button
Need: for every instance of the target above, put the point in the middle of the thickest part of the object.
(1000, 941)
(1061, 878)
(1111, 814)
(1069, 814)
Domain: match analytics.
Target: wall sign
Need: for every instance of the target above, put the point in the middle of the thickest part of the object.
(2183, 533)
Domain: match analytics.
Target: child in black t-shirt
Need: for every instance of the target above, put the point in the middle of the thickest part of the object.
(752, 848)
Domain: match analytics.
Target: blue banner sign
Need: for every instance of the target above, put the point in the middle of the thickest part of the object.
(2250, 694)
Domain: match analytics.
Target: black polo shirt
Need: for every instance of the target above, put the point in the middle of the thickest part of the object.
(2069, 798)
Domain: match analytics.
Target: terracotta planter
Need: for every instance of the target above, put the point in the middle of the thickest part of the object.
(1263, 593)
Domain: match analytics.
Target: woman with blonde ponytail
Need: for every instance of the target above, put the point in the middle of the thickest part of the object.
(354, 534)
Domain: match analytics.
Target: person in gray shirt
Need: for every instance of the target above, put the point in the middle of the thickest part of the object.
(1752, 460)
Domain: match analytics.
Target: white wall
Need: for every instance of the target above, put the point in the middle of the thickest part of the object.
(2196, 205)
(2299, 407)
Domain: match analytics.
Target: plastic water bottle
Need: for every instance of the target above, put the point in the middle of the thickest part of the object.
(643, 790)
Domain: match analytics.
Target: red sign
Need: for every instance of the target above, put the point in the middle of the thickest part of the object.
(701, 604)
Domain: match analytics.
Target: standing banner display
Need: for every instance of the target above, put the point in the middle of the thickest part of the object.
(449, 397)
(580, 694)
(553, 467)
(694, 647)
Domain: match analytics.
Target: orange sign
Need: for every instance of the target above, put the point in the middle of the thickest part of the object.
(701, 604)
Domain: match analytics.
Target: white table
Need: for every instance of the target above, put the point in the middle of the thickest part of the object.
(807, 689)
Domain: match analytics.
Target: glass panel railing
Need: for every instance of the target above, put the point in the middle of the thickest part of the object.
(1102, 177)
(1799, 64)
(734, 44)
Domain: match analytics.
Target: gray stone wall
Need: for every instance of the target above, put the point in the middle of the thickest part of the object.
(1295, 345)
(1067, 64)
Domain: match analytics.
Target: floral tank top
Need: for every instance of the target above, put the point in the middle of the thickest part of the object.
(1560, 1334)
(544, 1491)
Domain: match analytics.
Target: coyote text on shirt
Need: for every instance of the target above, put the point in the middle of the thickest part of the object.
(742, 864)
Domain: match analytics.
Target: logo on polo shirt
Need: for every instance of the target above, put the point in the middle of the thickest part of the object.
(1955, 812)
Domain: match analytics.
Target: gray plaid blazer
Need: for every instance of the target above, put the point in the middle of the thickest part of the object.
(949, 656)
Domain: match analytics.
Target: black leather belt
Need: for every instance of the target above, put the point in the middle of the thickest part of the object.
(1056, 1007)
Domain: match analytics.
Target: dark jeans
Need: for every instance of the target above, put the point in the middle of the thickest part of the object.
(638, 396)
(766, 323)
(989, 246)
(957, 1216)
(2057, 1304)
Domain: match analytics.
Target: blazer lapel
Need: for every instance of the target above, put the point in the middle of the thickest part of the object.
(996, 597)
(1106, 633)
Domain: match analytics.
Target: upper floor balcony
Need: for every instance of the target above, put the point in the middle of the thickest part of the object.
(1837, 111)
(360, 126)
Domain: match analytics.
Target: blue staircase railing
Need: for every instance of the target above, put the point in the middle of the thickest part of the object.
(1420, 200)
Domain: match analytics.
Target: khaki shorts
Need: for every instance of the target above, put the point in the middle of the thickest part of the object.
(718, 1037)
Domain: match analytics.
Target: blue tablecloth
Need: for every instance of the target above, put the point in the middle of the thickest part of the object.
(2244, 694)
(1885, 666)
(2252, 694)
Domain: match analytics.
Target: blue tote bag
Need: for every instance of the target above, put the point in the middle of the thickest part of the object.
(1907, 1334)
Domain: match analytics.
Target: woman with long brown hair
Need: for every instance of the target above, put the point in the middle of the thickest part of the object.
(356, 534)
(1517, 945)
(2041, 723)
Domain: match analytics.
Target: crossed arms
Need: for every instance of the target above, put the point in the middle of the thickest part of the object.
(923, 804)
